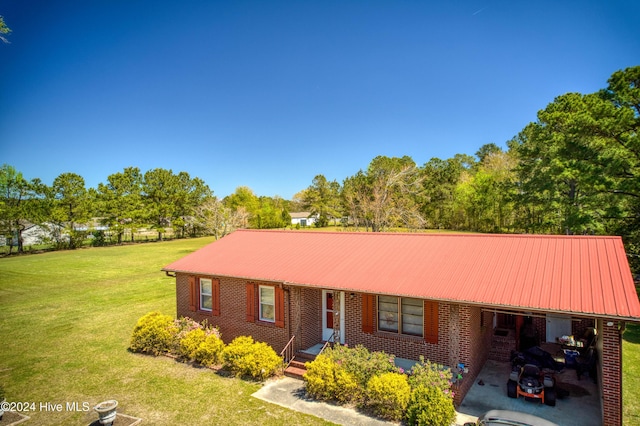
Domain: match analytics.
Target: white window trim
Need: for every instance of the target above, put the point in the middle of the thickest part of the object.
(202, 293)
(273, 290)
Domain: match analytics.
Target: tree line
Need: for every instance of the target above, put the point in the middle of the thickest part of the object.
(574, 170)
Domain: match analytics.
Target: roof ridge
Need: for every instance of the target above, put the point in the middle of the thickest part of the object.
(434, 234)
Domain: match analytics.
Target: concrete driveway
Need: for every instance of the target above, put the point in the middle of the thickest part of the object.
(581, 407)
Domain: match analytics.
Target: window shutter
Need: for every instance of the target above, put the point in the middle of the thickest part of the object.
(431, 321)
(279, 302)
(251, 305)
(193, 294)
(215, 297)
(368, 306)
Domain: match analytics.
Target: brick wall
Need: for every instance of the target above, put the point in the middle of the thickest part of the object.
(311, 318)
(232, 320)
(611, 372)
(402, 346)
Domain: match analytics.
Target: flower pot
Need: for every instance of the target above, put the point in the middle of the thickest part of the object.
(106, 411)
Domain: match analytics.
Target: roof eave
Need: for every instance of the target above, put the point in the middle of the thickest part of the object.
(488, 306)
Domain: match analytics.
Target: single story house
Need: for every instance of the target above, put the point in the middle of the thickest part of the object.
(303, 218)
(452, 298)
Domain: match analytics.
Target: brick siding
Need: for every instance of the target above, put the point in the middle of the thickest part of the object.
(611, 373)
(465, 333)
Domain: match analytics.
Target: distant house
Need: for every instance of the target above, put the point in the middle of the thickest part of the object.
(303, 218)
(454, 299)
(33, 234)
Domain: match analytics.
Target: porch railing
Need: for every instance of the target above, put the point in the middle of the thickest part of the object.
(329, 341)
(287, 353)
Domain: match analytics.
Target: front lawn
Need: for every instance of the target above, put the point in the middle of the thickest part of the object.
(65, 321)
(631, 375)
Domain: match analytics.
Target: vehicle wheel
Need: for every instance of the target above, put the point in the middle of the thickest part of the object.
(512, 389)
(550, 397)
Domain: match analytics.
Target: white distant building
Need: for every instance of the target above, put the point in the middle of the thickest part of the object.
(303, 218)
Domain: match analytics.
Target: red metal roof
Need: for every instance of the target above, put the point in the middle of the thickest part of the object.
(574, 274)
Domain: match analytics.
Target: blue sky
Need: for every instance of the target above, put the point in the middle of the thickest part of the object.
(267, 94)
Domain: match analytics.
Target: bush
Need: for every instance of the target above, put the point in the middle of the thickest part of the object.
(319, 379)
(153, 334)
(388, 394)
(429, 374)
(327, 380)
(342, 373)
(362, 363)
(429, 405)
(183, 326)
(190, 343)
(209, 353)
(245, 357)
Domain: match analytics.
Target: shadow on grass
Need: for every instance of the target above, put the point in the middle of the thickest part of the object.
(632, 333)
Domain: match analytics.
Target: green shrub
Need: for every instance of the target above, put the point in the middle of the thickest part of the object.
(209, 353)
(327, 380)
(342, 373)
(153, 334)
(190, 343)
(183, 326)
(362, 363)
(245, 357)
(388, 395)
(429, 374)
(319, 379)
(429, 405)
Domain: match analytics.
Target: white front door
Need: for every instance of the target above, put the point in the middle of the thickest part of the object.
(557, 326)
(332, 312)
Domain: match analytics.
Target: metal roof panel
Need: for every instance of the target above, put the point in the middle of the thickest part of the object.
(573, 274)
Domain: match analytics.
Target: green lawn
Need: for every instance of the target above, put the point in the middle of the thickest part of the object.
(631, 375)
(65, 322)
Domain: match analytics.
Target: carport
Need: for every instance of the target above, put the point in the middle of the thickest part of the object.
(580, 404)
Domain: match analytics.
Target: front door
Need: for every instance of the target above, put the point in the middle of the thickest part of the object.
(332, 311)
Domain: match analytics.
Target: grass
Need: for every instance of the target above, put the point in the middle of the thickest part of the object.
(631, 375)
(66, 319)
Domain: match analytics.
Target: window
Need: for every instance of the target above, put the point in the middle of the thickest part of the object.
(388, 313)
(412, 322)
(400, 315)
(206, 294)
(267, 304)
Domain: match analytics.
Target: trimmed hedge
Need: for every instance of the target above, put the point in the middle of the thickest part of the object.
(245, 357)
(430, 406)
(191, 341)
(153, 334)
(388, 395)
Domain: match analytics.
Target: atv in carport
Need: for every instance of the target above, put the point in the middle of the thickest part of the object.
(531, 382)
